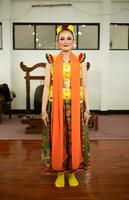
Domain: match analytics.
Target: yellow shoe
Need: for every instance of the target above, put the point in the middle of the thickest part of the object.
(72, 180)
(60, 181)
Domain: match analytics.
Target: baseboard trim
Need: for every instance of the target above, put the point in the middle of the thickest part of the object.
(115, 112)
(101, 112)
(108, 112)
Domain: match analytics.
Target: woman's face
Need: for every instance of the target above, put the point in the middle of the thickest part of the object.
(65, 40)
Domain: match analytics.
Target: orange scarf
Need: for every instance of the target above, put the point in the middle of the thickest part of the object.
(58, 152)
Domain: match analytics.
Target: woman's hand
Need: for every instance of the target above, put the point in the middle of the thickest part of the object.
(45, 118)
(86, 117)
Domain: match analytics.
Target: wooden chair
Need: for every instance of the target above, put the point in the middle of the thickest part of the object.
(33, 120)
(6, 97)
(28, 77)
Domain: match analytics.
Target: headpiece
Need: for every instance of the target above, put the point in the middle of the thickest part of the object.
(65, 27)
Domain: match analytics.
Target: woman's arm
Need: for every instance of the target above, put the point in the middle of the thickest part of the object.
(46, 88)
(46, 93)
(85, 86)
(85, 90)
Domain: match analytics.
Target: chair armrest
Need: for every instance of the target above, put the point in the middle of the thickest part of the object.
(12, 95)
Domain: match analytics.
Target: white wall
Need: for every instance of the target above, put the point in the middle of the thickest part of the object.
(109, 70)
(119, 64)
(5, 54)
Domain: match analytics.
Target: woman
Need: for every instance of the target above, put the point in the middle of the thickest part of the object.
(65, 111)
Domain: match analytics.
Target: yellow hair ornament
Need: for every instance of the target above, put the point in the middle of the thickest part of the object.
(59, 29)
(70, 27)
(65, 27)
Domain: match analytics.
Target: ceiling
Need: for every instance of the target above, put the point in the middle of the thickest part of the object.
(63, 1)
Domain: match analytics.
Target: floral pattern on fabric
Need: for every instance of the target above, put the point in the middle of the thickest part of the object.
(46, 140)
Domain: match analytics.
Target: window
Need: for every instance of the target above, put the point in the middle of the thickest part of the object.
(24, 36)
(88, 36)
(119, 36)
(43, 36)
(0, 36)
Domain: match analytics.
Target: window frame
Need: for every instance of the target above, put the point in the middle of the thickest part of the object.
(36, 24)
(120, 24)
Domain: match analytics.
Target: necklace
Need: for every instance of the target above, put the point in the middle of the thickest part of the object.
(66, 60)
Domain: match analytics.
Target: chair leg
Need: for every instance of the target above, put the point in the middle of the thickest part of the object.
(0, 112)
(96, 123)
(10, 113)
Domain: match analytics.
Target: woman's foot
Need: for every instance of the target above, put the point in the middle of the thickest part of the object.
(72, 180)
(60, 181)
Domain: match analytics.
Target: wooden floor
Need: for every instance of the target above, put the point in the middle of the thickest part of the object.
(21, 177)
